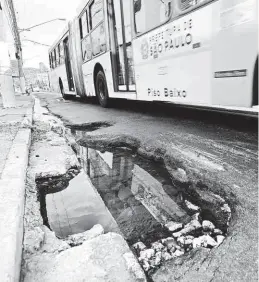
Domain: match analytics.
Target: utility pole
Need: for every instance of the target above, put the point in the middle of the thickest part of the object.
(18, 45)
(6, 79)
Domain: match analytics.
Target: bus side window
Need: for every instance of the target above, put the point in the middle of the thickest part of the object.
(61, 53)
(83, 24)
(50, 61)
(58, 49)
(80, 28)
(55, 58)
(86, 49)
(96, 13)
(151, 13)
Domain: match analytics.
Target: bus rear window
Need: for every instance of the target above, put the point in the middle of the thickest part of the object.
(150, 14)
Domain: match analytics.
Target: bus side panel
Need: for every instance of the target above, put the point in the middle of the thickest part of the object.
(234, 52)
(55, 74)
(173, 62)
(88, 72)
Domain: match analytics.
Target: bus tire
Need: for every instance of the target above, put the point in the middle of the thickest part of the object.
(64, 96)
(102, 89)
(255, 85)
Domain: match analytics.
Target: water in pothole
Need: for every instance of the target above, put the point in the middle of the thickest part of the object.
(118, 189)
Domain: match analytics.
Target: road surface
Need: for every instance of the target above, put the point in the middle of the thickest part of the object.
(216, 151)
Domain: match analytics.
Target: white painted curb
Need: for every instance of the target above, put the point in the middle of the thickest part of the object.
(12, 195)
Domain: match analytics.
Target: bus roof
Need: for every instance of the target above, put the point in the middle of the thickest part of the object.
(64, 31)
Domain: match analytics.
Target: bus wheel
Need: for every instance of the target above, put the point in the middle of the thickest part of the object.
(64, 96)
(101, 89)
(255, 84)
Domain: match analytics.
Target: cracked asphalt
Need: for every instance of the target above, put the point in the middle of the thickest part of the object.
(218, 150)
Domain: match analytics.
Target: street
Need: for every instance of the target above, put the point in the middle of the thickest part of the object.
(216, 153)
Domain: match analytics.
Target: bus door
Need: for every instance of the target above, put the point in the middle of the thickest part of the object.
(68, 65)
(123, 41)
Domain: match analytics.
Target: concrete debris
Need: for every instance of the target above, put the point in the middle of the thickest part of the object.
(178, 253)
(139, 246)
(157, 246)
(185, 241)
(78, 239)
(146, 265)
(196, 216)
(146, 254)
(220, 239)
(170, 243)
(166, 256)
(208, 225)
(190, 228)
(217, 231)
(204, 241)
(158, 258)
(190, 206)
(173, 226)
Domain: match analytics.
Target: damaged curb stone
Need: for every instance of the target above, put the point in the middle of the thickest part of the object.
(103, 258)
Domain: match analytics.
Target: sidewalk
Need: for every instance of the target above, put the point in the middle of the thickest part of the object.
(15, 137)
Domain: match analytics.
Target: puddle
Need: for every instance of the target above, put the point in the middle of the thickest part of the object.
(70, 205)
(138, 193)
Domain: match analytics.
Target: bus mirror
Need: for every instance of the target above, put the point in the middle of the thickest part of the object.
(137, 6)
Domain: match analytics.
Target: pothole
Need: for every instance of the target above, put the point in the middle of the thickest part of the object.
(136, 197)
(89, 126)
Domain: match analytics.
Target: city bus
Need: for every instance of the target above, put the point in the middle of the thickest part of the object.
(190, 52)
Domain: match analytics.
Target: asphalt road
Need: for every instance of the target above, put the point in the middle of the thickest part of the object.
(218, 150)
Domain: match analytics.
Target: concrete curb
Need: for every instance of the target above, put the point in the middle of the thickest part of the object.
(12, 196)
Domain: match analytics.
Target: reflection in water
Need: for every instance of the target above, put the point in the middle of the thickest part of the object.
(132, 190)
(77, 208)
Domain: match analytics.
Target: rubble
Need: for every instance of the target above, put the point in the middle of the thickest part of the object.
(220, 239)
(173, 226)
(204, 241)
(166, 256)
(189, 228)
(197, 233)
(139, 246)
(217, 231)
(146, 254)
(157, 246)
(190, 206)
(208, 225)
(170, 243)
(185, 241)
(178, 253)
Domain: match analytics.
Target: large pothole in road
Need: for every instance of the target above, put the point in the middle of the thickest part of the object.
(157, 218)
